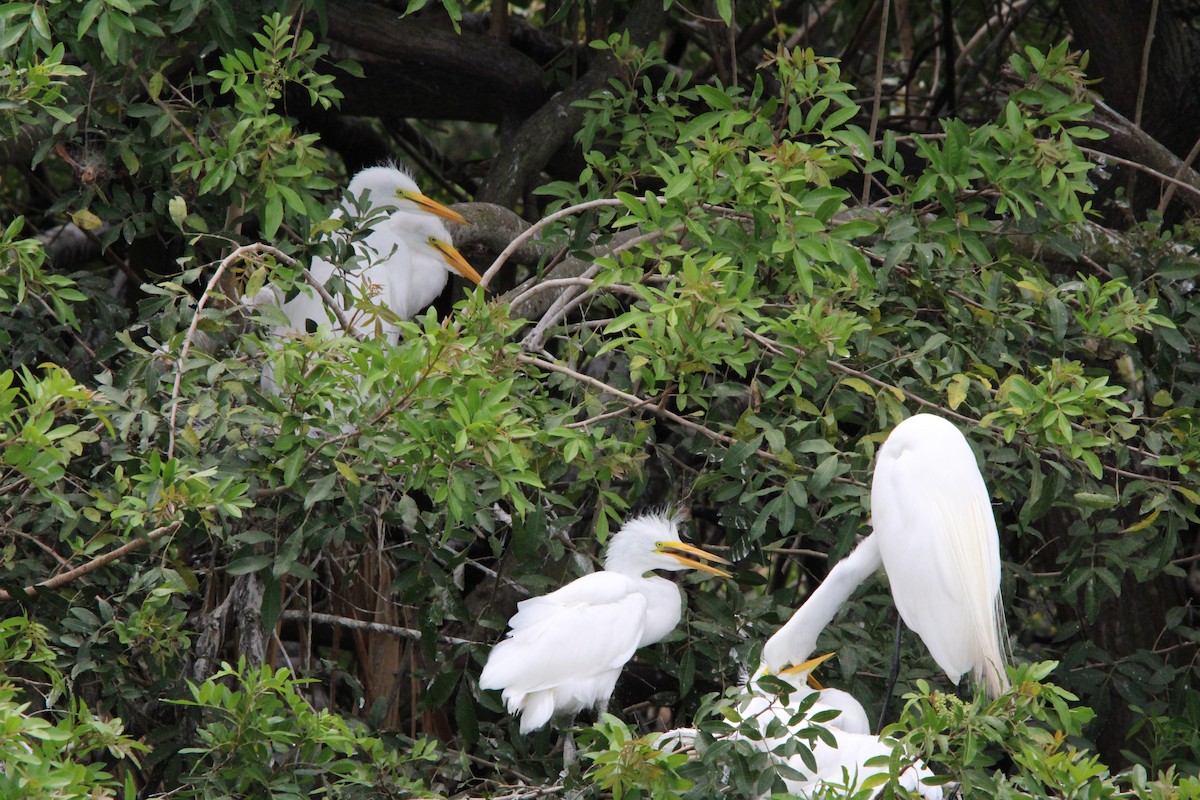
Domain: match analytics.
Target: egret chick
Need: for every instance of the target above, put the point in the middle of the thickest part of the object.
(565, 650)
(842, 765)
(407, 258)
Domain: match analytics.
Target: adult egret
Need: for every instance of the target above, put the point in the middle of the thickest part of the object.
(935, 536)
(405, 259)
(565, 650)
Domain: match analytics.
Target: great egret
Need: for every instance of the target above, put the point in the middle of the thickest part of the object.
(935, 536)
(565, 650)
(842, 765)
(406, 258)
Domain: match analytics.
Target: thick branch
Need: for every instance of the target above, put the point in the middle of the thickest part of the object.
(552, 127)
(417, 68)
(1131, 141)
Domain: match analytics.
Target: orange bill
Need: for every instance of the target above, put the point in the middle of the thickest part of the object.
(455, 259)
(668, 548)
(809, 666)
(432, 206)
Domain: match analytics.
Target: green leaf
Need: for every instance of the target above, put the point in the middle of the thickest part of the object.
(247, 564)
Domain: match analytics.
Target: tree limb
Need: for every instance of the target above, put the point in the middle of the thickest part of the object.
(553, 125)
(95, 563)
(413, 67)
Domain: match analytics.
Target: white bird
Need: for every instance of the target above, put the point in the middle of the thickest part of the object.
(842, 765)
(565, 650)
(405, 261)
(935, 536)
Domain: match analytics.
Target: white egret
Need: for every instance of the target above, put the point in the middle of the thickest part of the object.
(565, 650)
(935, 536)
(842, 765)
(407, 258)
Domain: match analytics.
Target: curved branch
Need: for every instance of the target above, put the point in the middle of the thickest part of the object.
(229, 260)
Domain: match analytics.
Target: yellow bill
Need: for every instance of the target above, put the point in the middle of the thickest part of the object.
(455, 259)
(809, 666)
(432, 206)
(669, 548)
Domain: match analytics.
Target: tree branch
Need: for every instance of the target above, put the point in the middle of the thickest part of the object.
(95, 563)
(553, 125)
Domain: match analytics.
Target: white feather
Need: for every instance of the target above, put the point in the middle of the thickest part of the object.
(843, 766)
(935, 536)
(938, 541)
(565, 650)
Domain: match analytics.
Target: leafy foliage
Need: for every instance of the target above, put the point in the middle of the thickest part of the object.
(769, 288)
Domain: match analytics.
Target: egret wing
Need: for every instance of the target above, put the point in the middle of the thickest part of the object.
(939, 545)
(590, 626)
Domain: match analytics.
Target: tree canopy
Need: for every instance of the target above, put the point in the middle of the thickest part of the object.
(726, 248)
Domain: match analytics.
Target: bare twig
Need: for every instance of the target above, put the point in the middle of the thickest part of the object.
(301, 615)
(236, 255)
(1144, 67)
(537, 227)
(95, 563)
(880, 54)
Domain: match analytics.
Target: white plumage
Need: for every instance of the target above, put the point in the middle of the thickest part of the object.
(796, 640)
(935, 536)
(841, 766)
(565, 650)
(405, 260)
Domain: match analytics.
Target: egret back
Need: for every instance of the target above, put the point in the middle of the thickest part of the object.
(937, 537)
(565, 650)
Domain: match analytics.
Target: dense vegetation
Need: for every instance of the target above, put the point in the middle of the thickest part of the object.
(752, 262)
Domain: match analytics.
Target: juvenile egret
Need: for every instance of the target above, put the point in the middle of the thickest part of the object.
(407, 257)
(935, 536)
(390, 189)
(565, 650)
(842, 765)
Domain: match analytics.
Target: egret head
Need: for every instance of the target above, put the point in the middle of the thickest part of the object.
(800, 675)
(651, 542)
(391, 189)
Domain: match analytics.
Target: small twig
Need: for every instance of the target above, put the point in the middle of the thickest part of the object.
(300, 615)
(1125, 162)
(1184, 168)
(553, 283)
(1144, 67)
(534, 229)
(573, 297)
(660, 411)
(879, 59)
(95, 563)
(239, 253)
